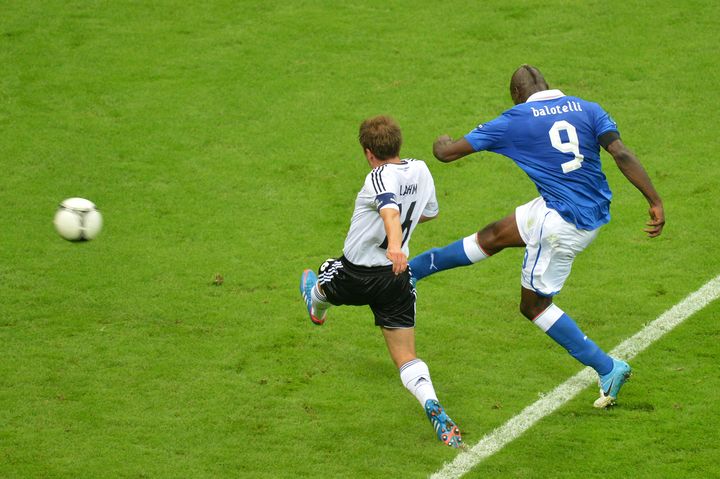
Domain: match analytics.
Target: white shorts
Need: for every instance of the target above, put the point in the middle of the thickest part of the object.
(552, 244)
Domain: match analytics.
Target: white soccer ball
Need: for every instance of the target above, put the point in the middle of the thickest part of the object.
(77, 219)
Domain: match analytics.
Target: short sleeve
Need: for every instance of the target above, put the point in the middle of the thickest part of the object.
(486, 136)
(381, 187)
(431, 208)
(603, 122)
(386, 200)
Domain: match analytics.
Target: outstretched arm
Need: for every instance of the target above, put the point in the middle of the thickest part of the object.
(636, 174)
(447, 150)
(393, 230)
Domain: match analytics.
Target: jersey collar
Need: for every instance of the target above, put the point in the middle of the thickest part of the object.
(545, 95)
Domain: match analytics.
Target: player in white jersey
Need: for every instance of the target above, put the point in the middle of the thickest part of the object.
(406, 186)
(398, 194)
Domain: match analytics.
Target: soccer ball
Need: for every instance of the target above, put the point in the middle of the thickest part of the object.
(77, 219)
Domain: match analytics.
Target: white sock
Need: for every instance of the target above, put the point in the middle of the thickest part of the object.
(415, 375)
(472, 249)
(319, 301)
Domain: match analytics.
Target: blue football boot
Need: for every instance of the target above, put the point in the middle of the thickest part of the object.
(445, 428)
(611, 383)
(307, 282)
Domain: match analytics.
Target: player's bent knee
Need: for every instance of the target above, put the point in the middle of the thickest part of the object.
(487, 238)
(532, 308)
(526, 311)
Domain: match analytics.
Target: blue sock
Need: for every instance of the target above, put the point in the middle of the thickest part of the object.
(567, 334)
(439, 259)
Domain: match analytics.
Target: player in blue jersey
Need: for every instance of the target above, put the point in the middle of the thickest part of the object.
(556, 140)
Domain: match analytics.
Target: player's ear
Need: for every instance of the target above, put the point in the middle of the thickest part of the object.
(515, 94)
(369, 155)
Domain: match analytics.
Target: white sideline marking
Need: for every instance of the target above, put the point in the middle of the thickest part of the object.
(628, 349)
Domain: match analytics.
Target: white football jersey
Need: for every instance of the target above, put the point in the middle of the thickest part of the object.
(408, 187)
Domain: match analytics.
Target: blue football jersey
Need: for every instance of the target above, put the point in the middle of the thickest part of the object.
(554, 139)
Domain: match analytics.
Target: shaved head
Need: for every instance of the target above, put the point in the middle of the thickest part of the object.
(525, 81)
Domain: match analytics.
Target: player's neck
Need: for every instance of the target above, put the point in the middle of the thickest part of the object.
(376, 162)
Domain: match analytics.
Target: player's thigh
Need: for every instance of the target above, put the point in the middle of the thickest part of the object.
(394, 303)
(550, 253)
(529, 218)
(500, 235)
(341, 286)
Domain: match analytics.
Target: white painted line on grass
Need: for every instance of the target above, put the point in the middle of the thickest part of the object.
(628, 349)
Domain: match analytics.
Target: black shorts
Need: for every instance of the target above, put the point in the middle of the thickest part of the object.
(391, 297)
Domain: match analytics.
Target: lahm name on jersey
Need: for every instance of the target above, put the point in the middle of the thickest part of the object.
(556, 110)
(408, 189)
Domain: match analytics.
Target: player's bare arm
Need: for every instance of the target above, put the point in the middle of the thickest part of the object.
(393, 230)
(447, 150)
(633, 170)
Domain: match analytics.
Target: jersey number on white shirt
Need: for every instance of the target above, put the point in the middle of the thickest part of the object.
(571, 146)
(405, 225)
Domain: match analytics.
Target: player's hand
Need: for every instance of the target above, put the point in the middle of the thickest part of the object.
(399, 260)
(657, 221)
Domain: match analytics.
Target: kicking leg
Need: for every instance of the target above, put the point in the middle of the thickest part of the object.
(492, 239)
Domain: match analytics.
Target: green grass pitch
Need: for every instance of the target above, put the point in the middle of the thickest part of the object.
(220, 138)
